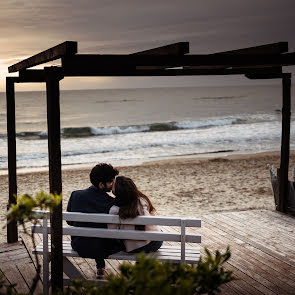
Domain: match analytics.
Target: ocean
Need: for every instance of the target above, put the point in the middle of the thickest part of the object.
(131, 126)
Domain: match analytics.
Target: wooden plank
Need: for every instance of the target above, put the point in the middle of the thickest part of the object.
(252, 261)
(112, 267)
(257, 237)
(176, 49)
(10, 247)
(28, 272)
(31, 76)
(246, 271)
(263, 76)
(265, 247)
(58, 51)
(67, 249)
(244, 284)
(14, 277)
(72, 71)
(140, 220)
(13, 259)
(84, 68)
(179, 48)
(84, 61)
(273, 48)
(84, 267)
(267, 228)
(275, 219)
(5, 281)
(125, 234)
(278, 216)
(270, 262)
(228, 289)
(247, 284)
(262, 233)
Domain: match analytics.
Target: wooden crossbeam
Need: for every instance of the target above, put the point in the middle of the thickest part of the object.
(64, 49)
(125, 72)
(274, 48)
(113, 64)
(31, 76)
(256, 76)
(177, 49)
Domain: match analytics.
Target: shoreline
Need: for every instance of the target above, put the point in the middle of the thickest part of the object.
(129, 163)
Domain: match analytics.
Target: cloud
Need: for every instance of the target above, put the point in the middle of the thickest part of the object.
(108, 26)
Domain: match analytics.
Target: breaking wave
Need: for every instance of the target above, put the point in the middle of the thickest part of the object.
(153, 127)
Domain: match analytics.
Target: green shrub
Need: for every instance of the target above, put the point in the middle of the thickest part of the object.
(22, 211)
(151, 277)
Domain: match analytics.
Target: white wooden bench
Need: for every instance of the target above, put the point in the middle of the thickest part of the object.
(175, 254)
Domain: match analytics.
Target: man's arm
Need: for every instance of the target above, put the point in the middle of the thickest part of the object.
(69, 209)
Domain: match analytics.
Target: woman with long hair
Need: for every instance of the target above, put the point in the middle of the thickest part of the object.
(129, 203)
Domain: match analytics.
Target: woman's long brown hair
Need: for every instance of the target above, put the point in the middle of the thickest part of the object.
(127, 198)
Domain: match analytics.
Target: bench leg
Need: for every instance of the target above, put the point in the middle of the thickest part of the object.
(46, 277)
(70, 270)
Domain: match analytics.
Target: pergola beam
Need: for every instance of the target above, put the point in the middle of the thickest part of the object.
(274, 48)
(31, 76)
(275, 71)
(115, 63)
(175, 49)
(64, 49)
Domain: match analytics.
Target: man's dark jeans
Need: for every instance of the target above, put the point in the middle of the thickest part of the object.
(96, 248)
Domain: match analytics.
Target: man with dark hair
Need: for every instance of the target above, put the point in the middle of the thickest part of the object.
(95, 200)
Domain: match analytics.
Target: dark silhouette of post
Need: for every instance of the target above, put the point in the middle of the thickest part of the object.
(12, 233)
(285, 143)
(53, 76)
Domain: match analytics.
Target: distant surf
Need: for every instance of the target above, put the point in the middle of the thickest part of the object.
(153, 127)
(136, 125)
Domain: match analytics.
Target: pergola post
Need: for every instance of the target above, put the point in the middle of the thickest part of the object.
(52, 76)
(12, 233)
(285, 143)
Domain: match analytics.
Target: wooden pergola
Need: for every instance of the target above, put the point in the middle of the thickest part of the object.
(261, 62)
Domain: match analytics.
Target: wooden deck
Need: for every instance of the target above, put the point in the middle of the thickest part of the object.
(262, 243)
(17, 267)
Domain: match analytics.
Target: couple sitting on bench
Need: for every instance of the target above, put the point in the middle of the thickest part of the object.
(129, 202)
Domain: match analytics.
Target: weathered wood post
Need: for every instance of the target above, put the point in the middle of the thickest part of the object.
(12, 233)
(52, 76)
(285, 143)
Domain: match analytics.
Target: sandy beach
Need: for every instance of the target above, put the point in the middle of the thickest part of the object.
(180, 186)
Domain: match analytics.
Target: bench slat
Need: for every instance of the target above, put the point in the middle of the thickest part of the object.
(140, 220)
(124, 234)
(67, 246)
(170, 253)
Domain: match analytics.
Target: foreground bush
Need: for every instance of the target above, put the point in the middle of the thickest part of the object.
(151, 277)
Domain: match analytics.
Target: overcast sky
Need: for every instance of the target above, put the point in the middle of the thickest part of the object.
(126, 26)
